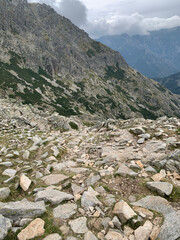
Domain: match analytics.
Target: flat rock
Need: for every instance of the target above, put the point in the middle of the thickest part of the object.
(54, 179)
(123, 211)
(76, 189)
(155, 203)
(53, 236)
(53, 196)
(9, 172)
(170, 229)
(64, 211)
(112, 235)
(89, 200)
(92, 180)
(90, 236)
(79, 225)
(34, 229)
(5, 225)
(22, 209)
(4, 193)
(143, 232)
(162, 188)
(124, 171)
(25, 182)
(159, 176)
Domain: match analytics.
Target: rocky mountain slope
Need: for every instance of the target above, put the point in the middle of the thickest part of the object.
(154, 55)
(108, 180)
(171, 82)
(48, 62)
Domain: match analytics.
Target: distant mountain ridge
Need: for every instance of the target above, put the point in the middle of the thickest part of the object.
(171, 82)
(154, 55)
(50, 63)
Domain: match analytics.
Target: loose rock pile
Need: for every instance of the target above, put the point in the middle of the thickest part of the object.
(117, 180)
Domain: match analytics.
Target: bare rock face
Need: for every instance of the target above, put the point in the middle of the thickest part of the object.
(75, 74)
(34, 229)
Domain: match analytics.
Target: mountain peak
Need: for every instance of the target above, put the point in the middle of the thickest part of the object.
(48, 62)
(17, 2)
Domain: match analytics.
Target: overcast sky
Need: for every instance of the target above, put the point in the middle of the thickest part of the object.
(113, 17)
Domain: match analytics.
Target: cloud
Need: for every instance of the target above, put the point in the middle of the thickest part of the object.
(74, 10)
(130, 24)
(121, 16)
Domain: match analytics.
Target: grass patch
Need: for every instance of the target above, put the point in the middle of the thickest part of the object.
(73, 125)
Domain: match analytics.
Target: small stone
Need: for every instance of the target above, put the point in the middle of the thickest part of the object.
(4, 193)
(64, 229)
(34, 229)
(65, 211)
(90, 236)
(112, 235)
(9, 172)
(159, 176)
(79, 225)
(53, 236)
(124, 171)
(140, 140)
(150, 169)
(26, 155)
(143, 232)
(54, 179)
(5, 225)
(25, 182)
(123, 211)
(155, 232)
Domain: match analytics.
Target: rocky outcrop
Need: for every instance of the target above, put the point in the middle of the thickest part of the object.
(48, 62)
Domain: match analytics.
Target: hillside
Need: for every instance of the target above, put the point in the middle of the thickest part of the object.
(171, 82)
(48, 62)
(154, 55)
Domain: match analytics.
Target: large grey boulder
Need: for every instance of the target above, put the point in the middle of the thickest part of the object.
(170, 229)
(22, 209)
(162, 188)
(5, 225)
(53, 196)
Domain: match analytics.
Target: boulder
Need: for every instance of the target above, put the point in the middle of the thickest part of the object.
(53, 196)
(123, 211)
(34, 229)
(22, 209)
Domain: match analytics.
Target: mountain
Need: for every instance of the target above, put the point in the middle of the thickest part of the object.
(50, 63)
(171, 82)
(154, 55)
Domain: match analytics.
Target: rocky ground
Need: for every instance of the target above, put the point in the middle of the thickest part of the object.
(112, 180)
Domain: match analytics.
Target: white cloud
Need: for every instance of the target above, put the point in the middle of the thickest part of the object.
(133, 24)
(114, 17)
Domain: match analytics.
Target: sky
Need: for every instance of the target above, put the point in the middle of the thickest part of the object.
(115, 17)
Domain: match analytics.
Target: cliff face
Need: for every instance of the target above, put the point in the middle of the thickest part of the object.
(47, 61)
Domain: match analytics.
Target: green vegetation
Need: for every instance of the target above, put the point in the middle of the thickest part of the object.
(31, 81)
(73, 125)
(114, 72)
(91, 53)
